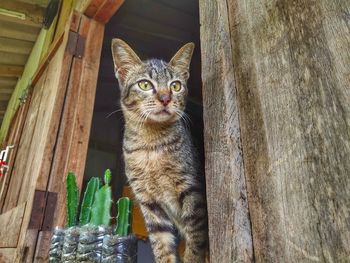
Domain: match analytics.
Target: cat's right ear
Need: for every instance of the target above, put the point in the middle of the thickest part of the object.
(124, 58)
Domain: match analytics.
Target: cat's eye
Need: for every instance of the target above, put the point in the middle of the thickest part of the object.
(145, 85)
(175, 86)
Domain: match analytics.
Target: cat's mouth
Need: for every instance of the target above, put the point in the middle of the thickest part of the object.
(163, 111)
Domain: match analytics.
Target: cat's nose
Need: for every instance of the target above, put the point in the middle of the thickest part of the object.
(164, 99)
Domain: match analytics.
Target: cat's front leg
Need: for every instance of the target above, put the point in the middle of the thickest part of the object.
(162, 232)
(194, 218)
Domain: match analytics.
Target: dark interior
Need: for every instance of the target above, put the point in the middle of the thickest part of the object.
(154, 29)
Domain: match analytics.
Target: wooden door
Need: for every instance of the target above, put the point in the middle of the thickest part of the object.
(53, 140)
(277, 138)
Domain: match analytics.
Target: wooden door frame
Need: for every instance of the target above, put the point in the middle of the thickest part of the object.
(69, 127)
(74, 130)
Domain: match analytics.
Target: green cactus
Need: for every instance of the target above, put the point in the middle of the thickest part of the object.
(101, 207)
(124, 217)
(72, 199)
(107, 176)
(88, 199)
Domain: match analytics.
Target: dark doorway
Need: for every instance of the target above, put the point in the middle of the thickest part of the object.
(154, 29)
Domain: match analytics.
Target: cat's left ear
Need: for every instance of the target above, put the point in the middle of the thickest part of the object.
(182, 59)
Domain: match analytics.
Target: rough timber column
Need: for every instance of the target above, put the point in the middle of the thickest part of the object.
(229, 226)
(292, 72)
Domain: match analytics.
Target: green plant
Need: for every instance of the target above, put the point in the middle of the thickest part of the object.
(72, 199)
(101, 207)
(88, 199)
(124, 217)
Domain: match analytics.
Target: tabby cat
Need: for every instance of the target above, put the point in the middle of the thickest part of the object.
(160, 161)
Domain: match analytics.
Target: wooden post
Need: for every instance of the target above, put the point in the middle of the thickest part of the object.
(229, 225)
(292, 62)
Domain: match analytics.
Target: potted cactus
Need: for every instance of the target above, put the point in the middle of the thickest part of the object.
(92, 238)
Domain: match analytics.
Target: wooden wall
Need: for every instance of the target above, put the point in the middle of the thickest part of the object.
(53, 141)
(277, 99)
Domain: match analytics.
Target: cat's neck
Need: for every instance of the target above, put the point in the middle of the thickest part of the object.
(152, 131)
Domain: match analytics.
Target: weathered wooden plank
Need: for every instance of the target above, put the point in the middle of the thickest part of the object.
(76, 121)
(10, 222)
(7, 90)
(229, 226)
(7, 255)
(64, 17)
(292, 67)
(4, 97)
(93, 7)
(15, 46)
(9, 29)
(13, 58)
(60, 82)
(11, 71)
(107, 10)
(27, 251)
(43, 140)
(45, 60)
(17, 175)
(32, 12)
(42, 251)
(13, 139)
(45, 125)
(49, 37)
(7, 82)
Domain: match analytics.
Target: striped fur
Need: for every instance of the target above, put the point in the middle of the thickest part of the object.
(160, 161)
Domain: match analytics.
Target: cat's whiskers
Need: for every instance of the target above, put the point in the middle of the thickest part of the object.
(183, 117)
(110, 114)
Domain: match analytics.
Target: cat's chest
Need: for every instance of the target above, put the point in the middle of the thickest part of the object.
(152, 163)
(157, 172)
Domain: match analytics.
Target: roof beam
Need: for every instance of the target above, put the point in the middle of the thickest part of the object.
(11, 71)
(15, 46)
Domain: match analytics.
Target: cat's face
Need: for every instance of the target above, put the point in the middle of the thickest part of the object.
(152, 90)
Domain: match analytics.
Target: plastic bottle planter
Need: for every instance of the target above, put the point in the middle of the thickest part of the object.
(91, 244)
(94, 240)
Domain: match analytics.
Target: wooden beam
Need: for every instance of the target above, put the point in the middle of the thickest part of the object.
(13, 58)
(4, 97)
(227, 202)
(7, 254)
(23, 32)
(11, 71)
(15, 46)
(6, 90)
(10, 222)
(291, 63)
(100, 10)
(107, 10)
(8, 81)
(33, 13)
(42, 3)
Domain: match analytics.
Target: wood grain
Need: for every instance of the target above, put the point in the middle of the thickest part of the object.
(107, 10)
(292, 64)
(229, 226)
(74, 131)
(10, 222)
(7, 255)
(11, 70)
(13, 138)
(17, 178)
